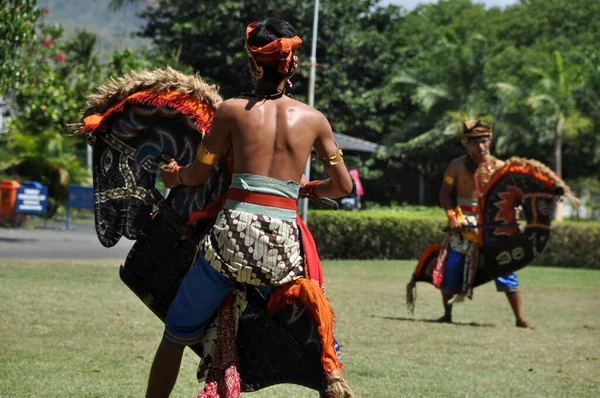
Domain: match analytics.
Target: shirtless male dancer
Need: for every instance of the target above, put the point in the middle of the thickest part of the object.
(272, 136)
(477, 138)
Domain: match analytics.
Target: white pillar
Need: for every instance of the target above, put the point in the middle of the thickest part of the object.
(311, 95)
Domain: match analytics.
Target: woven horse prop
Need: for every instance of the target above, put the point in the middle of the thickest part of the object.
(504, 246)
(130, 123)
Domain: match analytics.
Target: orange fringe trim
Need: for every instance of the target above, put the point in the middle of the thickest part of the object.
(186, 104)
(310, 294)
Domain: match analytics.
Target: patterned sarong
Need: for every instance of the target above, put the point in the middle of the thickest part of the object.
(253, 243)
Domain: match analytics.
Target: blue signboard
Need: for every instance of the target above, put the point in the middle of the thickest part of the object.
(81, 197)
(32, 198)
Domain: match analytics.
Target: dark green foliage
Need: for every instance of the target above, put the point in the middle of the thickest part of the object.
(55, 76)
(380, 235)
(398, 78)
(353, 53)
(17, 31)
(573, 245)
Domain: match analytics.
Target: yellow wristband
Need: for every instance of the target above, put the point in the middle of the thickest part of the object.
(450, 213)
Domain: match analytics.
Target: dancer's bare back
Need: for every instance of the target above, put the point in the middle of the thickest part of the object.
(271, 138)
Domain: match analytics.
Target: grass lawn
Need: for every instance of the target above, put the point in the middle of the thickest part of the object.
(72, 329)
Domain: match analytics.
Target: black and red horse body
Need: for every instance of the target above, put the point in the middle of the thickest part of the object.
(165, 112)
(504, 246)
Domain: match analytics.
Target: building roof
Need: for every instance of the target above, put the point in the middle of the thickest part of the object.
(348, 143)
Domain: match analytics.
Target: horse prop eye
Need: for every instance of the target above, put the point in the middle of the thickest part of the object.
(106, 160)
(545, 206)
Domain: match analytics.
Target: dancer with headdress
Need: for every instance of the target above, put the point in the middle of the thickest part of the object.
(255, 239)
(460, 262)
(459, 258)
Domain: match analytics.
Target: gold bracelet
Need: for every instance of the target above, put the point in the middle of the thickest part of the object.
(205, 156)
(332, 159)
(450, 213)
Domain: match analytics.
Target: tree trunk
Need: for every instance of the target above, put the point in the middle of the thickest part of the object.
(422, 185)
(560, 122)
(558, 135)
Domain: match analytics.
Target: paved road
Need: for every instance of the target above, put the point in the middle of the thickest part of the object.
(80, 242)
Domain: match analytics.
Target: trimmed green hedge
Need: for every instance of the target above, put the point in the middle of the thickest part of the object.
(572, 245)
(380, 235)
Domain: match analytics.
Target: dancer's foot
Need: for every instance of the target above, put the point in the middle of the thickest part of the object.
(524, 324)
(445, 319)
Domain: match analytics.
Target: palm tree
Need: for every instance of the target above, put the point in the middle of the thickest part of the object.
(449, 88)
(553, 95)
(552, 99)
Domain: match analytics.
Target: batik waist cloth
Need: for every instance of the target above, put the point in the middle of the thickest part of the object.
(255, 239)
(467, 215)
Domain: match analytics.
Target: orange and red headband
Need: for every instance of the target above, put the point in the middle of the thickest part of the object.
(278, 52)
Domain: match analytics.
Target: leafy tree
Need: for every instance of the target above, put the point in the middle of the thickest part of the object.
(34, 145)
(584, 152)
(352, 56)
(447, 88)
(406, 79)
(554, 95)
(48, 158)
(17, 31)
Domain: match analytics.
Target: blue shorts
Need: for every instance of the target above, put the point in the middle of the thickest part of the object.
(453, 275)
(453, 272)
(507, 283)
(200, 294)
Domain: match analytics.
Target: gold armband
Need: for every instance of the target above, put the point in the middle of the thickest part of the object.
(448, 179)
(332, 159)
(205, 156)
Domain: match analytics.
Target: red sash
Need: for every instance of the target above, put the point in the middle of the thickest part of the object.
(469, 209)
(313, 268)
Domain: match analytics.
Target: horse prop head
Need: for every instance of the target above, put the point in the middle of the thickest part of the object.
(130, 123)
(535, 188)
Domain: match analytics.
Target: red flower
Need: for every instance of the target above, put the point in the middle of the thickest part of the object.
(46, 11)
(59, 57)
(47, 43)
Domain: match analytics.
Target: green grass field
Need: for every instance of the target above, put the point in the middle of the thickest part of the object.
(72, 329)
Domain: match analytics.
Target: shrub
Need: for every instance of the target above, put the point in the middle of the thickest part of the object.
(372, 235)
(383, 235)
(573, 245)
